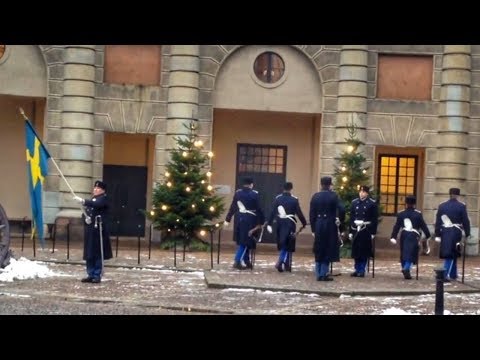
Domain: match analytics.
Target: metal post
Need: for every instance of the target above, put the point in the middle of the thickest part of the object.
(373, 259)
(150, 241)
(218, 246)
(440, 278)
(68, 241)
(33, 238)
(139, 228)
(463, 260)
(23, 230)
(54, 235)
(211, 249)
(175, 251)
(184, 249)
(118, 230)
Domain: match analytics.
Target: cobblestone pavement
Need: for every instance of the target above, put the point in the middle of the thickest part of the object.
(155, 286)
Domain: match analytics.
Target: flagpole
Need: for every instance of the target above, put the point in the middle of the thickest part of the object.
(59, 171)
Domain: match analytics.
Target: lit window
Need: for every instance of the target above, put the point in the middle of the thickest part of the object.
(269, 67)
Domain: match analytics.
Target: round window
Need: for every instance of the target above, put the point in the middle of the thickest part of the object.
(2, 50)
(269, 67)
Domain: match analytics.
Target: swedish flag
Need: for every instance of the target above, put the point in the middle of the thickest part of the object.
(37, 169)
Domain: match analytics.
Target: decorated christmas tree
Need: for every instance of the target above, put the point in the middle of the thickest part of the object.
(351, 172)
(184, 205)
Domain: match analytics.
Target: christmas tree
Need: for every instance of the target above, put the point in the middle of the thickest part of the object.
(184, 203)
(351, 173)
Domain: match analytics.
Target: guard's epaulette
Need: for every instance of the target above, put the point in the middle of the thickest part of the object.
(356, 199)
(401, 211)
(461, 202)
(295, 197)
(238, 190)
(418, 211)
(255, 191)
(276, 197)
(443, 202)
(372, 200)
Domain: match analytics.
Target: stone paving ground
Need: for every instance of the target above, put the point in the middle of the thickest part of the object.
(156, 286)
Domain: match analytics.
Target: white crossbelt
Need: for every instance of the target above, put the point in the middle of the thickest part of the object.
(282, 214)
(243, 209)
(412, 230)
(362, 226)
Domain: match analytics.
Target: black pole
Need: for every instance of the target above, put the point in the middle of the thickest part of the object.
(54, 235)
(418, 261)
(33, 238)
(463, 261)
(290, 260)
(138, 242)
(23, 231)
(184, 248)
(150, 242)
(440, 277)
(68, 240)
(211, 249)
(218, 246)
(373, 259)
(118, 231)
(331, 268)
(175, 251)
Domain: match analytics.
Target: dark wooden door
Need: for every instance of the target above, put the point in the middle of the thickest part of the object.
(127, 189)
(266, 164)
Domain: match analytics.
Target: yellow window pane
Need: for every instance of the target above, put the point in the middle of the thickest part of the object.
(280, 152)
(384, 161)
(411, 162)
(279, 169)
(392, 161)
(384, 170)
(403, 162)
(265, 151)
(383, 188)
(391, 180)
(391, 209)
(391, 189)
(402, 181)
(273, 152)
(410, 190)
(384, 180)
(392, 171)
(249, 168)
(410, 172)
(271, 169)
(402, 171)
(410, 181)
(279, 161)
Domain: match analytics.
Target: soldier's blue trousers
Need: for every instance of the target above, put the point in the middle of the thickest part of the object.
(406, 265)
(360, 265)
(243, 253)
(94, 268)
(450, 266)
(321, 268)
(284, 256)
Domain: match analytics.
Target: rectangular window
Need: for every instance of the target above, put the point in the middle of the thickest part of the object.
(261, 159)
(397, 178)
(404, 77)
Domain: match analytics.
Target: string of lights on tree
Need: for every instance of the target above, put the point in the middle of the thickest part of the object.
(184, 203)
(350, 173)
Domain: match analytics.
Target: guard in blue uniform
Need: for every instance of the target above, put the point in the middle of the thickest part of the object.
(97, 210)
(448, 231)
(249, 217)
(364, 209)
(411, 222)
(286, 225)
(324, 206)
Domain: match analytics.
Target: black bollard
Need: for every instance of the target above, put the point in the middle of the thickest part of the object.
(68, 241)
(211, 249)
(218, 245)
(139, 231)
(150, 241)
(440, 277)
(118, 231)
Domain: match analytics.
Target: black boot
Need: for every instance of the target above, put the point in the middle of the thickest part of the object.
(279, 266)
(406, 274)
(249, 265)
(238, 265)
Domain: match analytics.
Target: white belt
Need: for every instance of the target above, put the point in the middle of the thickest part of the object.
(289, 216)
(412, 230)
(458, 226)
(363, 226)
(245, 211)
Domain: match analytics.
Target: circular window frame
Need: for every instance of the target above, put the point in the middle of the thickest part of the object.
(5, 55)
(254, 77)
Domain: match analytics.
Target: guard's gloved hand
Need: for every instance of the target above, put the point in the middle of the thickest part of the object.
(393, 241)
(438, 239)
(337, 221)
(350, 236)
(373, 237)
(269, 229)
(88, 220)
(79, 199)
(225, 224)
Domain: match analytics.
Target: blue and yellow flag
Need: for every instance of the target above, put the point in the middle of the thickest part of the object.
(37, 169)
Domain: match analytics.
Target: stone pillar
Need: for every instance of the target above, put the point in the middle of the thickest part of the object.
(182, 99)
(76, 153)
(451, 165)
(352, 93)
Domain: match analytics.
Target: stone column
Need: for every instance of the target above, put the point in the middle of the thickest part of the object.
(76, 153)
(451, 165)
(352, 93)
(182, 99)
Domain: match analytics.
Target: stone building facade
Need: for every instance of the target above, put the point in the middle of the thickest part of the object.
(113, 111)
